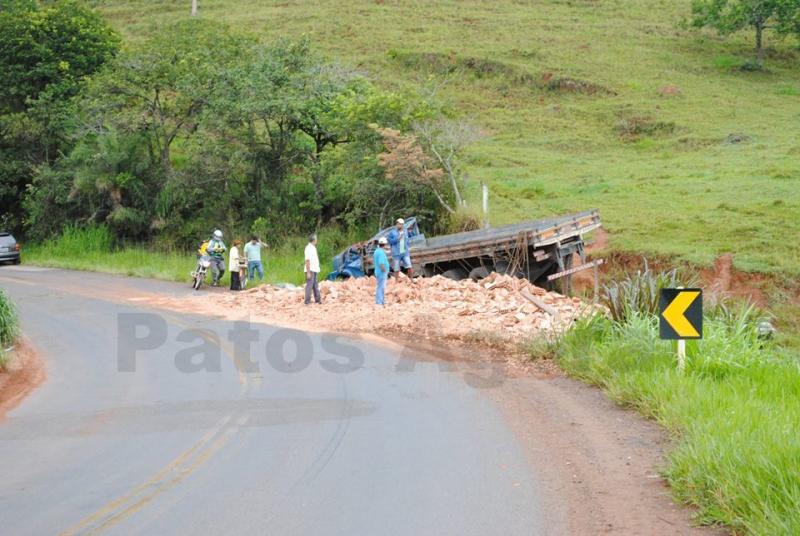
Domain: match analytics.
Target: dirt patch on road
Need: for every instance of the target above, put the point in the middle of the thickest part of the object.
(24, 373)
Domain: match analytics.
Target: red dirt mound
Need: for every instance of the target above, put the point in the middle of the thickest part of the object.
(25, 372)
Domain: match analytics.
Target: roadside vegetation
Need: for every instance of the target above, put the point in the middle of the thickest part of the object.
(9, 328)
(93, 249)
(203, 126)
(619, 105)
(733, 413)
(613, 105)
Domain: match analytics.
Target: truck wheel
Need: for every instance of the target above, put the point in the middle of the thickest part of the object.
(17, 260)
(501, 267)
(456, 274)
(481, 272)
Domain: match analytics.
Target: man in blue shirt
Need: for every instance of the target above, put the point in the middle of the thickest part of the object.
(398, 238)
(253, 253)
(381, 263)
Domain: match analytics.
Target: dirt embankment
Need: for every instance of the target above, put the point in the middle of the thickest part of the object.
(720, 280)
(25, 371)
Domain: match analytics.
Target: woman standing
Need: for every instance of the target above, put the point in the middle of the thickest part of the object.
(233, 265)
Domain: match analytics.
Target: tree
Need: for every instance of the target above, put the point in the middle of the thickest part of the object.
(47, 50)
(52, 47)
(202, 126)
(729, 16)
(446, 139)
(321, 89)
(162, 87)
(406, 161)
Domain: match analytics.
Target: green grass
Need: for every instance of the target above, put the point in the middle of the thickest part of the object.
(92, 249)
(734, 413)
(676, 188)
(9, 326)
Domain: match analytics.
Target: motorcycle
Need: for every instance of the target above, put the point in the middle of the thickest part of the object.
(199, 274)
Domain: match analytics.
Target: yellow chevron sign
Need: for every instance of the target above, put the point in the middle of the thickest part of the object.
(681, 313)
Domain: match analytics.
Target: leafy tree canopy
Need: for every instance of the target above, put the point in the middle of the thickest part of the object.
(53, 45)
(46, 52)
(728, 16)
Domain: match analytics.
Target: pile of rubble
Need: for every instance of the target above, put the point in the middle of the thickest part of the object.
(508, 308)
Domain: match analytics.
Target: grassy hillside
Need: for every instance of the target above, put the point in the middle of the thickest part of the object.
(585, 104)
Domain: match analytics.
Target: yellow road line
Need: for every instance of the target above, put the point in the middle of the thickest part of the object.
(176, 471)
(160, 487)
(183, 457)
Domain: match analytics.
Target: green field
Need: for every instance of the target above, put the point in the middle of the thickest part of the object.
(665, 170)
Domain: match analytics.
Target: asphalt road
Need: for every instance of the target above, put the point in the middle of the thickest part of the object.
(166, 429)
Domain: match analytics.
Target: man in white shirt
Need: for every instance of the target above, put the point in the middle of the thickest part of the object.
(312, 269)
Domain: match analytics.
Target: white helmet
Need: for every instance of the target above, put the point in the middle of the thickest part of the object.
(218, 234)
(382, 241)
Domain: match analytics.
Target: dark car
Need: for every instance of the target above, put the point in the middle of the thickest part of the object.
(9, 248)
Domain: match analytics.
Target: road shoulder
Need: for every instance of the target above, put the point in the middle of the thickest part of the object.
(25, 372)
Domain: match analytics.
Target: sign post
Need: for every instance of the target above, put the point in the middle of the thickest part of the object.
(681, 317)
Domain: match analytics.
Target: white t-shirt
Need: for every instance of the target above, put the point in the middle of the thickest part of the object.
(233, 259)
(312, 258)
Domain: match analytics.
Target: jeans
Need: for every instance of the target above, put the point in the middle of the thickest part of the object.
(254, 267)
(404, 259)
(217, 269)
(311, 285)
(380, 289)
(236, 283)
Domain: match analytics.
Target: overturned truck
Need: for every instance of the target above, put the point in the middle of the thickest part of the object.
(535, 250)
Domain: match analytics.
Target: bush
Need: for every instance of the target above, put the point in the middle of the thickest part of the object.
(638, 293)
(464, 219)
(8, 320)
(8, 325)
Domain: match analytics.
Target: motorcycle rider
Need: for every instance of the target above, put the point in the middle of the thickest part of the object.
(216, 250)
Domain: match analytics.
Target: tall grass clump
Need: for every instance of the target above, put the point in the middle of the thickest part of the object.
(638, 293)
(733, 414)
(80, 241)
(9, 327)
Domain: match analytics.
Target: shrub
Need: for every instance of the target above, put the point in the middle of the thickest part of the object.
(8, 320)
(8, 325)
(464, 219)
(638, 293)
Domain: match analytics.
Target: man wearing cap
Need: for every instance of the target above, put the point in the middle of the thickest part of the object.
(398, 239)
(381, 263)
